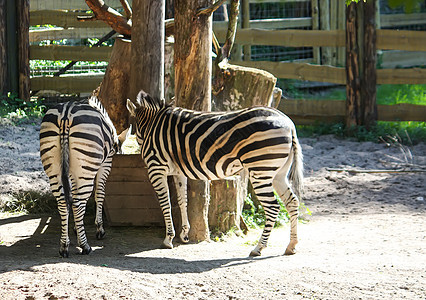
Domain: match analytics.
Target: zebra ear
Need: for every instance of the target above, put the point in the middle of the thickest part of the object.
(125, 134)
(131, 108)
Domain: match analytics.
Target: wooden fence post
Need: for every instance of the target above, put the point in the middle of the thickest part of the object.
(353, 95)
(369, 78)
(23, 17)
(324, 10)
(3, 46)
(245, 13)
(12, 47)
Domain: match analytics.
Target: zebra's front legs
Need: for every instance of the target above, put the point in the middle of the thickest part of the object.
(182, 198)
(265, 194)
(161, 188)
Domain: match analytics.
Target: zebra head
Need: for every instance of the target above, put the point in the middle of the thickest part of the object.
(144, 111)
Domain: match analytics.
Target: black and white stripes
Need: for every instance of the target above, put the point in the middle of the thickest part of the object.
(77, 142)
(212, 145)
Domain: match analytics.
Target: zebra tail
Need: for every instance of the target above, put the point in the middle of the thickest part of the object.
(65, 166)
(296, 170)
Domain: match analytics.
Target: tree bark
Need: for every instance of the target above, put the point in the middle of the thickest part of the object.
(369, 77)
(110, 16)
(193, 40)
(115, 87)
(3, 53)
(353, 96)
(23, 11)
(147, 59)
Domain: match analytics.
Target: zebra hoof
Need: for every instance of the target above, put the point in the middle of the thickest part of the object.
(255, 253)
(291, 248)
(290, 251)
(64, 253)
(86, 249)
(100, 234)
(184, 238)
(167, 243)
(184, 234)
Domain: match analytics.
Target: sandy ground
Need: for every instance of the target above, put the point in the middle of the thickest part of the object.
(365, 238)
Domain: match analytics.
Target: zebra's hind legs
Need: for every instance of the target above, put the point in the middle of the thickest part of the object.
(184, 237)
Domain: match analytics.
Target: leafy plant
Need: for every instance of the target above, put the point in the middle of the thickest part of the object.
(12, 106)
(254, 216)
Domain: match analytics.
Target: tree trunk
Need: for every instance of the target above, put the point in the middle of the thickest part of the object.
(369, 77)
(226, 205)
(147, 67)
(3, 45)
(193, 40)
(353, 96)
(115, 87)
(23, 11)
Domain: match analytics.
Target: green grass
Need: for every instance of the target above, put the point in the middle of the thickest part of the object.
(387, 94)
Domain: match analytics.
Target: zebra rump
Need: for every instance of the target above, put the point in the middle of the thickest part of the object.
(77, 142)
(261, 141)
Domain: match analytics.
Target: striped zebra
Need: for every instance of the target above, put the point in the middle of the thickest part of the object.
(77, 142)
(260, 141)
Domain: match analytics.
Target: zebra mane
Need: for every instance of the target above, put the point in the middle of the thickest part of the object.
(145, 100)
(96, 103)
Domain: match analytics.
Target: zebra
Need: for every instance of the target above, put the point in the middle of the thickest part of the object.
(77, 142)
(261, 141)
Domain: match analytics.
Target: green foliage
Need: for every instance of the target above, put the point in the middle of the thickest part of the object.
(408, 5)
(12, 106)
(28, 202)
(254, 216)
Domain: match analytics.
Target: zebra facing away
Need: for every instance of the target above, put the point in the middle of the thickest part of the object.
(77, 142)
(260, 141)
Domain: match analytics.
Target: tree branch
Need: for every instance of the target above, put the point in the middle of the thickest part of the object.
(127, 8)
(232, 28)
(110, 16)
(208, 11)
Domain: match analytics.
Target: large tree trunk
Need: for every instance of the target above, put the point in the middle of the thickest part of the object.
(115, 87)
(193, 40)
(369, 77)
(353, 96)
(147, 67)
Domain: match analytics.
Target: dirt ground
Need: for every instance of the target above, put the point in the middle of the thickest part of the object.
(365, 238)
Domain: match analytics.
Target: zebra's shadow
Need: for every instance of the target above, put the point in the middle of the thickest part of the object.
(33, 240)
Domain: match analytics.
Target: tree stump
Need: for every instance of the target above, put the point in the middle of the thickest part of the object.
(115, 87)
(226, 205)
(236, 87)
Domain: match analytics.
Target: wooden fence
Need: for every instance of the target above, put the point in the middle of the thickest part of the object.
(328, 39)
